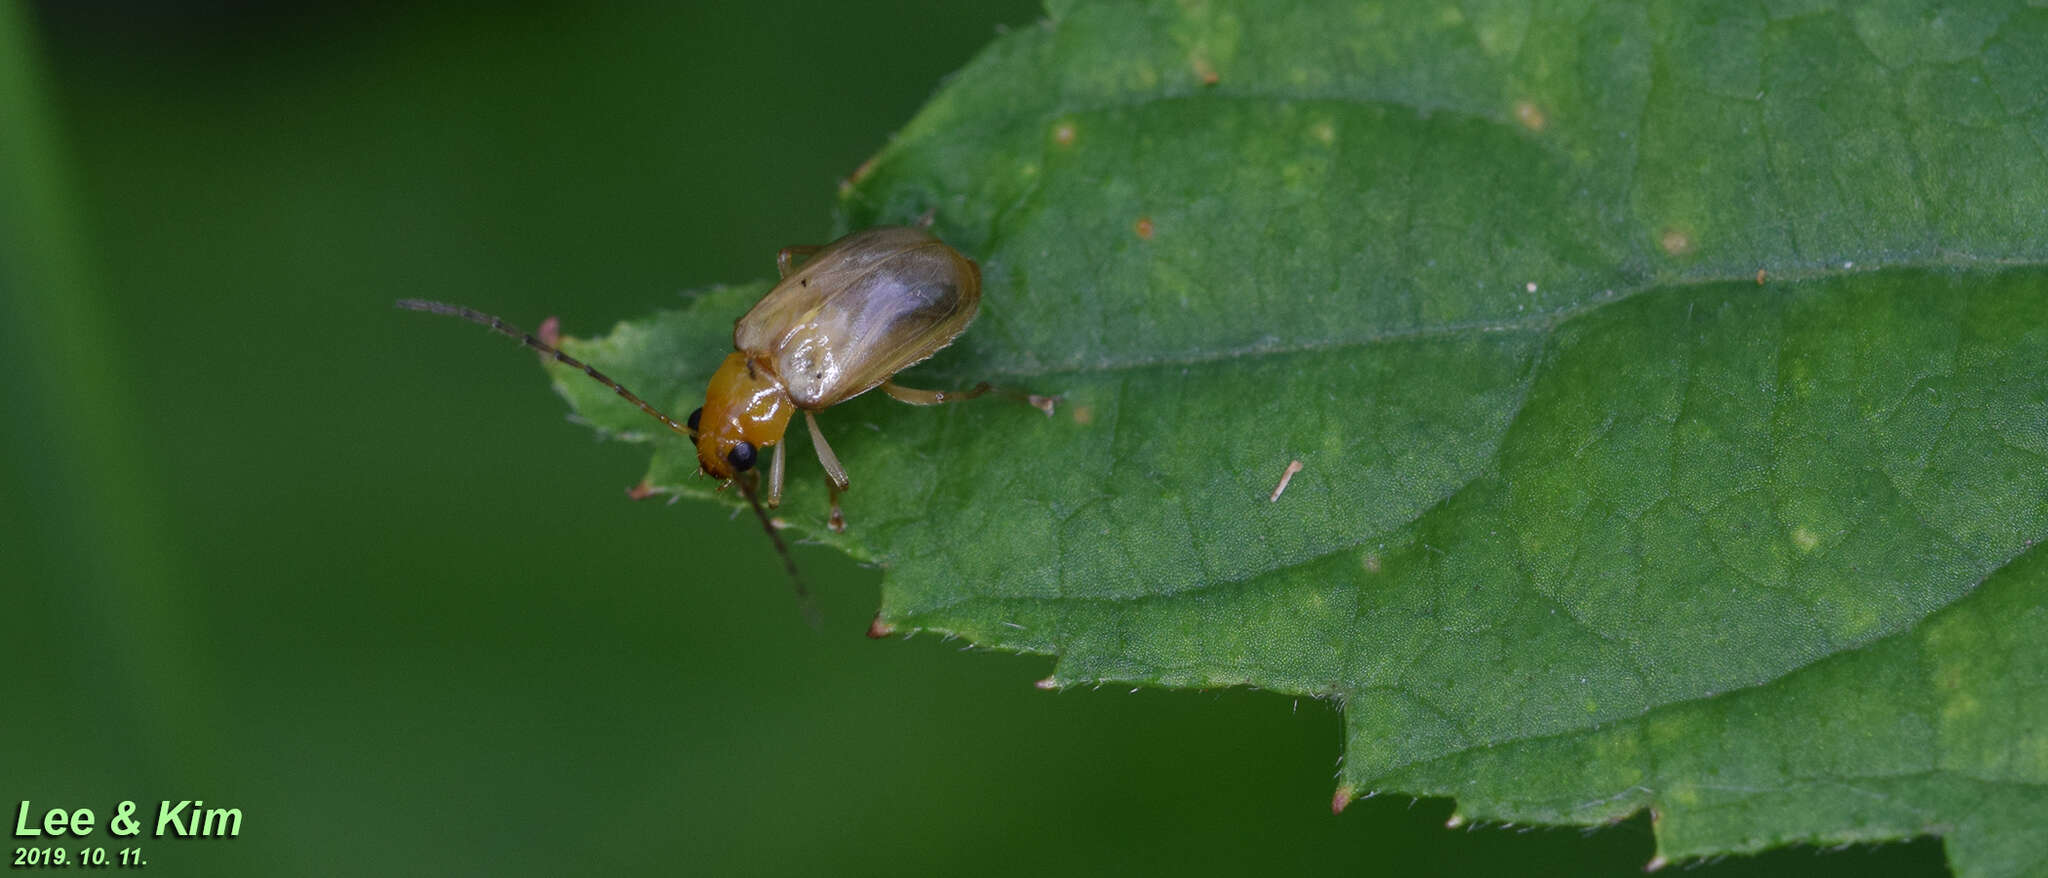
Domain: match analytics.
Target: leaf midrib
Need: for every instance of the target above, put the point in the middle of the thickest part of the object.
(1544, 322)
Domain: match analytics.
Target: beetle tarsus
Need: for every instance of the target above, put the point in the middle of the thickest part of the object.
(837, 521)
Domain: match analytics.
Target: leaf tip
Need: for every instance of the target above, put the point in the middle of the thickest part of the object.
(879, 629)
(1048, 684)
(1656, 863)
(1456, 821)
(641, 491)
(1343, 799)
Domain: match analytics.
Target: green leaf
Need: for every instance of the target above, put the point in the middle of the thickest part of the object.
(1668, 383)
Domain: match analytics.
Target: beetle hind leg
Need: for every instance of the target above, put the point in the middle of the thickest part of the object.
(915, 396)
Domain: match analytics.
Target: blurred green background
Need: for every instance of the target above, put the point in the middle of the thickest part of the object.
(271, 544)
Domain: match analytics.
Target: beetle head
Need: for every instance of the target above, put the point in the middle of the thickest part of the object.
(745, 411)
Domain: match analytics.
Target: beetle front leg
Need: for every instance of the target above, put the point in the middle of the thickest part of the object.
(834, 473)
(785, 260)
(775, 476)
(914, 396)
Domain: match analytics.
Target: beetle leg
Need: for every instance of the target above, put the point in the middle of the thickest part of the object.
(785, 261)
(914, 396)
(833, 470)
(835, 475)
(775, 476)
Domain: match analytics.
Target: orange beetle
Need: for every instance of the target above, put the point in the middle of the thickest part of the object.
(856, 312)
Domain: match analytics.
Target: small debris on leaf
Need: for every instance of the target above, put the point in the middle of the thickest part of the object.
(1293, 466)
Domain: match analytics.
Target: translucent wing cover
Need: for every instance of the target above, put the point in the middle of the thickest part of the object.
(864, 308)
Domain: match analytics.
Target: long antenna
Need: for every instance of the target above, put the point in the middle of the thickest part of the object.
(746, 482)
(803, 595)
(526, 338)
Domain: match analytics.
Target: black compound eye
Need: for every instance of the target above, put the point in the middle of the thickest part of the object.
(695, 416)
(741, 457)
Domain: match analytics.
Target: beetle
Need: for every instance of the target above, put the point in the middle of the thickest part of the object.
(858, 311)
(838, 324)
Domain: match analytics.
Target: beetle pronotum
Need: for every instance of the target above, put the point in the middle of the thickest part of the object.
(844, 322)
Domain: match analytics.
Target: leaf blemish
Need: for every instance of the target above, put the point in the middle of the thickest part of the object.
(1675, 241)
(1531, 116)
(1084, 414)
(1144, 227)
(1371, 562)
(1063, 134)
(1805, 539)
